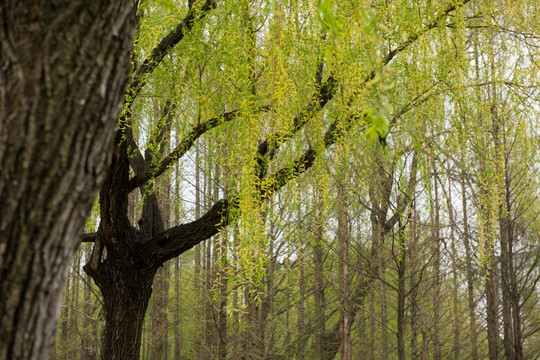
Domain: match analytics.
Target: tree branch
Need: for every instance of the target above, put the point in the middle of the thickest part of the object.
(159, 52)
(183, 147)
(415, 36)
(269, 147)
(175, 241)
(179, 239)
(88, 237)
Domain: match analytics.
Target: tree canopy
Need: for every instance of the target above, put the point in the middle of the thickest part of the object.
(341, 179)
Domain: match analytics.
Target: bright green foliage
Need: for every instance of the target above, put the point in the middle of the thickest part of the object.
(456, 90)
(379, 126)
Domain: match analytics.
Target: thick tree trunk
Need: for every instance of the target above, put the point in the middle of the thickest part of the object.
(123, 276)
(126, 292)
(64, 66)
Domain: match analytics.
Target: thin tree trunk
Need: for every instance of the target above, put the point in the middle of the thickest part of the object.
(318, 263)
(236, 328)
(415, 318)
(492, 310)
(159, 334)
(435, 238)
(302, 293)
(470, 280)
(372, 327)
(74, 305)
(221, 264)
(423, 324)
(197, 279)
(177, 341)
(383, 314)
(86, 336)
(64, 320)
(455, 278)
(401, 263)
(344, 291)
(177, 351)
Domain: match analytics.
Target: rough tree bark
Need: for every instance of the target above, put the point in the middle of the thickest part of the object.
(63, 70)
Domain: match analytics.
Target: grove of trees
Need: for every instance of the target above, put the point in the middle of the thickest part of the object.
(289, 180)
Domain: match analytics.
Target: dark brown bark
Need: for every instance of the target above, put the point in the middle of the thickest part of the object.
(63, 70)
(125, 295)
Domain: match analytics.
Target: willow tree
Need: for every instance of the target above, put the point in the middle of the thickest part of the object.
(257, 78)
